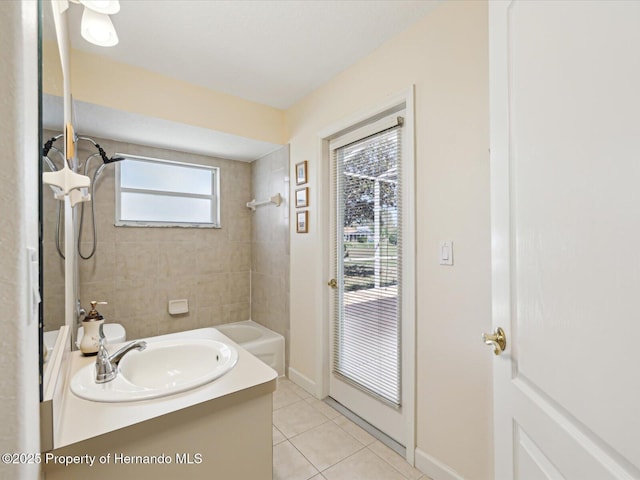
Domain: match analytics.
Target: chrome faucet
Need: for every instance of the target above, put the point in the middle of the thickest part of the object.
(107, 365)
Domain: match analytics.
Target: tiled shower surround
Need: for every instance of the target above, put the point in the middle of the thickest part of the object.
(138, 270)
(270, 245)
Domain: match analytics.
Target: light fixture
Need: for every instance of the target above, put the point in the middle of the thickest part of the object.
(97, 27)
(107, 7)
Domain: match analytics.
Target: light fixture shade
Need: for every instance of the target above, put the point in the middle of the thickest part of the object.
(107, 7)
(97, 28)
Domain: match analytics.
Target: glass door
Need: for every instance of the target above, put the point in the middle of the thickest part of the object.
(366, 368)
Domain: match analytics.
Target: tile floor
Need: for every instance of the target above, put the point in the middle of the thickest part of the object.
(313, 441)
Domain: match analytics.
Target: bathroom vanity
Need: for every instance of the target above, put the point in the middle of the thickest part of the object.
(220, 430)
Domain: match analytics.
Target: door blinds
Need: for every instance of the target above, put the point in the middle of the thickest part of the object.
(366, 340)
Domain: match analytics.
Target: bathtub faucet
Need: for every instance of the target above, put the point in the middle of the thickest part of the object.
(107, 366)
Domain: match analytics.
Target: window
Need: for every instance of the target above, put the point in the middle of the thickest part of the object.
(366, 176)
(162, 193)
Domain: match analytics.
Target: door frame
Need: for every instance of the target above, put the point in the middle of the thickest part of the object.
(408, 334)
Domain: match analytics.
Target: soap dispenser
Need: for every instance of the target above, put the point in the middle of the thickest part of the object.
(91, 339)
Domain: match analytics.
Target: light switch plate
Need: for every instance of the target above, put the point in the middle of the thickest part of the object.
(446, 252)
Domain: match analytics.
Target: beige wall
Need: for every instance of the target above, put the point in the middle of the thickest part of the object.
(101, 81)
(445, 55)
(52, 82)
(270, 245)
(19, 415)
(138, 270)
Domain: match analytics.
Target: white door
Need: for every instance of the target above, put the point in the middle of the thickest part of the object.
(366, 325)
(565, 186)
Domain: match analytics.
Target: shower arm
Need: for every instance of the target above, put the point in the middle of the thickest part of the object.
(101, 152)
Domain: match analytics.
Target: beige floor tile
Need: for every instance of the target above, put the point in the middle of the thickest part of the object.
(296, 388)
(290, 464)
(284, 396)
(326, 445)
(364, 465)
(284, 382)
(318, 477)
(354, 430)
(395, 460)
(278, 437)
(322, 407)
(297, 418)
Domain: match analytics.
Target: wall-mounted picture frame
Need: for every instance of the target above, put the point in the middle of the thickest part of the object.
(301, 173)
(302, 222)
(302, 197)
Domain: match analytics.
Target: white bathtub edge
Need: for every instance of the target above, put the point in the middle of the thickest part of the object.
(270, 344)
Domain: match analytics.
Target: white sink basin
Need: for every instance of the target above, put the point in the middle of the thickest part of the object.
(163, 368)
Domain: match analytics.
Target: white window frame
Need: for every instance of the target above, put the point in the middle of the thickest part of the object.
(214, 197)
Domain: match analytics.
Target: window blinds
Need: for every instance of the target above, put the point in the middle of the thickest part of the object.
(366, 340)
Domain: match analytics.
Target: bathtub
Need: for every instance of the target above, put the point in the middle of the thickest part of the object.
(261, 342)
(49, 341)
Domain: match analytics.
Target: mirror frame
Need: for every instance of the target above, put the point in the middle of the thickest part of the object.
(40, 207)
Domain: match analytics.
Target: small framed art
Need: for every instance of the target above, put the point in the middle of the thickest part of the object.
(301, 173)
(302, 197)
(302, 222)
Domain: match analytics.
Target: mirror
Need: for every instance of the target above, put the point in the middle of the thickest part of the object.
(52, 121)
(52, 209)
(137, 269)
(57, 258)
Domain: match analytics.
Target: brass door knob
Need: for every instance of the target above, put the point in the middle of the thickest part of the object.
(333, 283)
(497, 340)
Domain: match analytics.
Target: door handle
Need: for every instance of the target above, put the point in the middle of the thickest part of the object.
(333, 283)
(498, 340)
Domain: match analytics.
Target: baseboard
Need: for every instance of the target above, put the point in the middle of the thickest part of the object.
(434, 468)
(302, 381)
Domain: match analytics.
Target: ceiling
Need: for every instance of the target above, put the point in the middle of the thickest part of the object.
(273, 52)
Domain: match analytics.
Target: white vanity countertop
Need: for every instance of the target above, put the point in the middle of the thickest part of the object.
(83, 419)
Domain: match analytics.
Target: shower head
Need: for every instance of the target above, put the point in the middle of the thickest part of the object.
(103, 155)
(113, 159)
(101, 152)
(106, 161)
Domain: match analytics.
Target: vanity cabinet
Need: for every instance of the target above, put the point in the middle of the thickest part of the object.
(220, 430)
(225, 438)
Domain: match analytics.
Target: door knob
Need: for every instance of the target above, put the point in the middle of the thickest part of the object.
(333, 283)
(498, 340)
